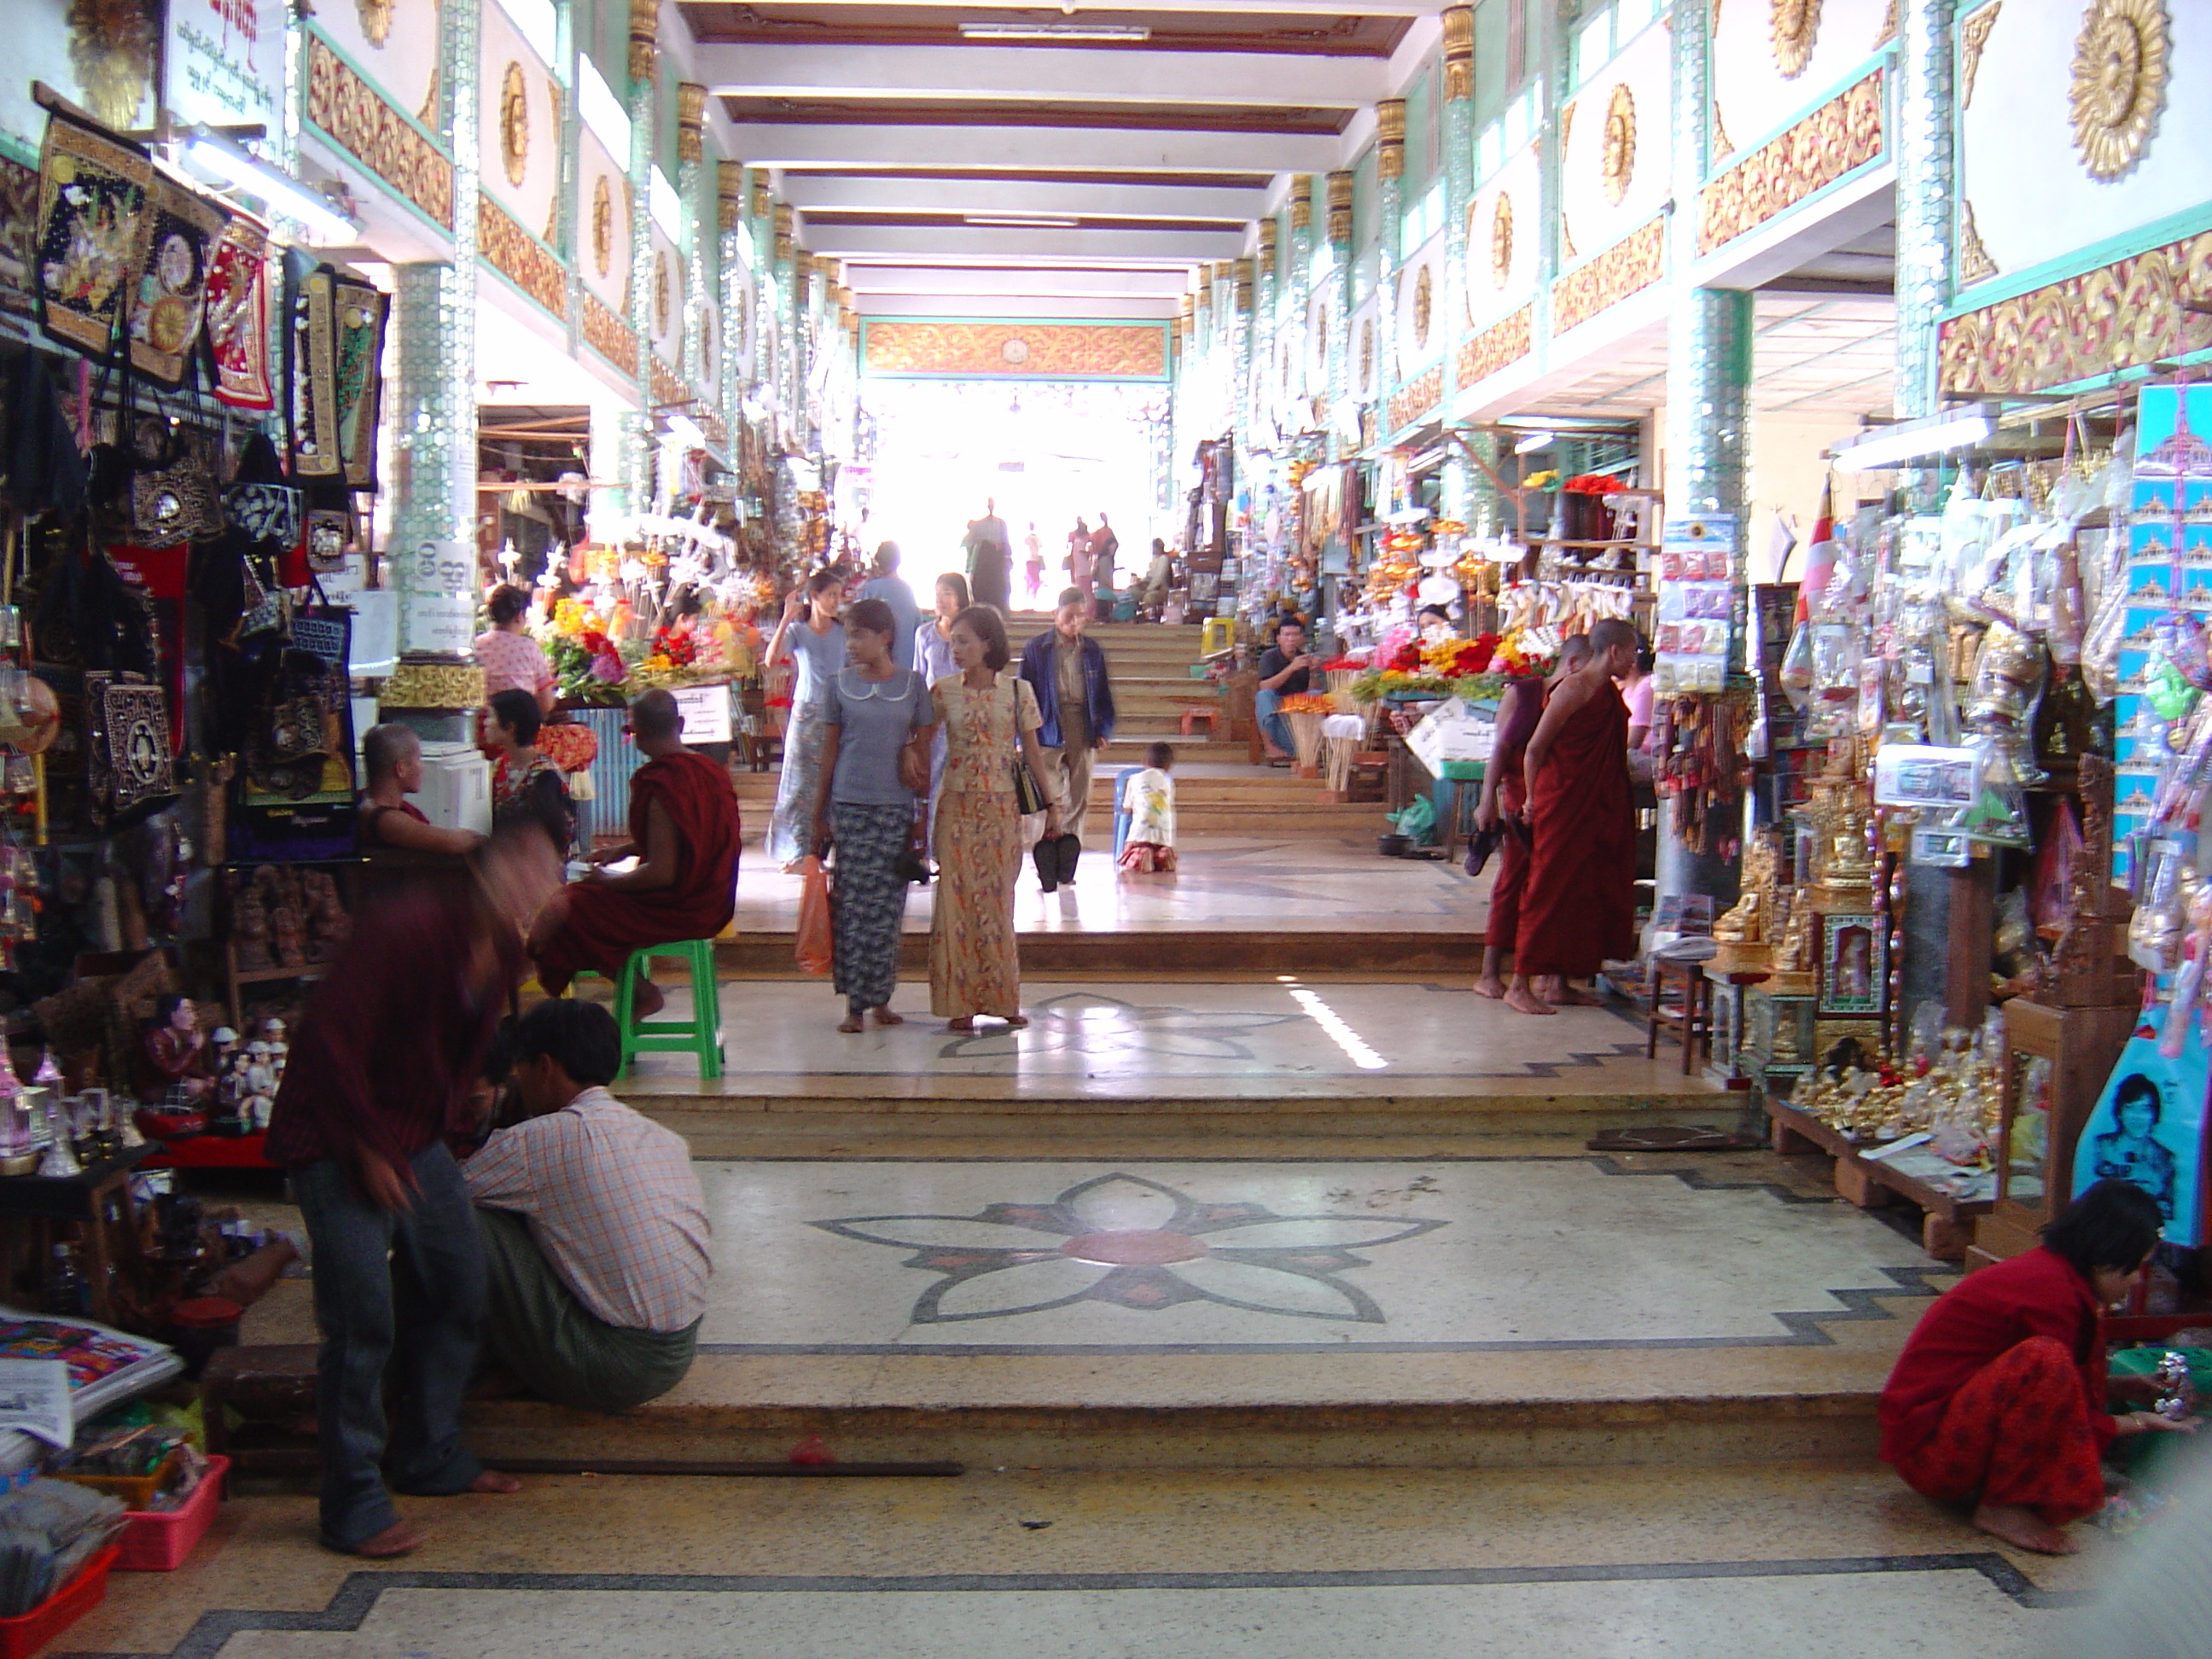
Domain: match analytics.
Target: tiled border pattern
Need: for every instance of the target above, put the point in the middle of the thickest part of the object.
(1497, 346)
(1632, 265)
(1087, 351)
(356, 115)
(1843, 133)
(520, 256)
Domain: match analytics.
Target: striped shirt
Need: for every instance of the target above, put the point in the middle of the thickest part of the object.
(611, 1200)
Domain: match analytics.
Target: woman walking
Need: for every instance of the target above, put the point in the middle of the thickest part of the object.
(880, 719)
(932, 660)
(811, 638)
(524, 782)
(990, 719)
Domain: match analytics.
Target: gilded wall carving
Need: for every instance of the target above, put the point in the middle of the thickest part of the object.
(1843, 133)
(1973, 39)
(514, 125)
(1792, 26)
(1617, 156)
(521, 258)
(1501, 240)
(1042, 351)
(2120, 73)
(1417, 396)
(608, 335)
(2118, 316)
(1975, 265)
(1496, 347)
(356, 117)
(1629, 266)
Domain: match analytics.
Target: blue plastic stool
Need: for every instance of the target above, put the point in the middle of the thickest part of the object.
(1123, 817)
(700, 1035)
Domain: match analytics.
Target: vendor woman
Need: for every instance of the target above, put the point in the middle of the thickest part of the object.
(2001, 1397)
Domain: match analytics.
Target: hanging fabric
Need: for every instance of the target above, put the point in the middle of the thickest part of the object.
(238, 315)
(358, 312)
(169, 299)
(95, 219)
(310, 370)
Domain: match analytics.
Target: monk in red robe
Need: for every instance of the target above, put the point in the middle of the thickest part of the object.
(1578, 903)
(1505, 800)
(683, 833)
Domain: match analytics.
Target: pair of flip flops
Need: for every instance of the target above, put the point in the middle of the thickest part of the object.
(1054, 858)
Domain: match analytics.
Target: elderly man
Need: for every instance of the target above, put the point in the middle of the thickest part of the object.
(683, 833)
(893, 589)
(1076, 702)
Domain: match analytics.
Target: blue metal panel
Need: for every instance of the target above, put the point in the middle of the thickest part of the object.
(608, 812)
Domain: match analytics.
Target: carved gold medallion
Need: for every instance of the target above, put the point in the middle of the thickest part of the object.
(1618, 158)
(2120, 73)
(1792, 26)
(1424, 301)
(514, 125)
(603, 226)
(659, 293)
(1501, 240)
(375, 20)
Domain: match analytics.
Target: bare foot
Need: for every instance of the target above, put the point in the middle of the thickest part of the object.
(1493, 988)
(491, 1481)
(397, 1538)
(1526, 1002)
(965, 1023)
(851, 1023)
(649, 1000)
(1550, 987)
(886, 1016)
(2016, 1524)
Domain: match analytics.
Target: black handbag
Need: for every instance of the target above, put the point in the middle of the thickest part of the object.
(1029, 795)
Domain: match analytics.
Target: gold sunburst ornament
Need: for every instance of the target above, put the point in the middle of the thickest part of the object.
(1424, 303)
(1367, 354)
(514, 125)
(1792, 26)
(375, 20)
(603, 225)
(660, 293)
(1501, 240)
(2120, 72)
(1618, 156)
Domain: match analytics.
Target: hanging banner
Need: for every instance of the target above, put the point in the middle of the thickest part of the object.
(238, 315)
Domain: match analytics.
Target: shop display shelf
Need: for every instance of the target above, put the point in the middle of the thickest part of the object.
(1947, 1220)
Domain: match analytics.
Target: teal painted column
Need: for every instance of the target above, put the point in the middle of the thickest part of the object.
(1334, 280)
(729, 269)
(635, 458)
(1926, 188)
(1459, 474)
(698, 248)
(1390, 209)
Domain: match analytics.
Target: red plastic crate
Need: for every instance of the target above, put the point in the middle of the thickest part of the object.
(24, 1634)
(158, 1541)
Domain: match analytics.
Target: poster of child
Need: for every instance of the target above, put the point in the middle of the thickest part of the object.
(2149, 1126)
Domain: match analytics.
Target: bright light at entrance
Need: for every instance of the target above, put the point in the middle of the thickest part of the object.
(1330, 1020)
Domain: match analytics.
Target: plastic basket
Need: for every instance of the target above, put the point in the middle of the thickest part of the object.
(24, 1634)
(158, 1541)
(136, 1491)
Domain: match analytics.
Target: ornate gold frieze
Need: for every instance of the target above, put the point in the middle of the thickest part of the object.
(730, 193)
(1792, 26)
(609, 335)
(357, 118)
(1973, 36)
(1339, 209)
(1502, 343)
(2118, 316)
(669, 391)
(644, 38)
(1843, 133)
(433, 685)
(1975, 265)
(521, 258)
(1459, 52)
(1417, 396)
(2120, 73)
(761, 198)
(1617, 156)
(1088, 351)
(1629, 266)
(690, 121)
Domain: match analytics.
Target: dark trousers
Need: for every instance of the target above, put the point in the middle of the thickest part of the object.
(399, 1289)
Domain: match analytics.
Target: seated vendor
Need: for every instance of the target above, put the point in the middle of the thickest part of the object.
(2000, 1398)
(594, 1228)
(176, 1070)
(392, 756)
(683, 832)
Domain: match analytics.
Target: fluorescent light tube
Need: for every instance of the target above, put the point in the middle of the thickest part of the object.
(1056, 32)
(1534, 442)
(687, 431)
(1907, 441)
(285, 195)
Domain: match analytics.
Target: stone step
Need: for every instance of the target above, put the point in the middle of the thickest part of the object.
(1240, 952)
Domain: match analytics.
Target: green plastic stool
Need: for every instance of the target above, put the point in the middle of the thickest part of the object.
(700, 1035)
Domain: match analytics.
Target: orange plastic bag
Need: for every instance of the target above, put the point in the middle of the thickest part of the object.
(817, 931)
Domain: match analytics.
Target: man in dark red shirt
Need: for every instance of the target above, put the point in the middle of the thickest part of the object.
(387, 1049)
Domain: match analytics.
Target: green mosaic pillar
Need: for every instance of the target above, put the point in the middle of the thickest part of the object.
(1390, 190)
(697, 247)
(730, 220)
(643, 104)
(1926, 196)
(1459, 474)
(1332, 276)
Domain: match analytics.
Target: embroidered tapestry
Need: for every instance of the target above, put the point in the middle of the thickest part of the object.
(93, 222)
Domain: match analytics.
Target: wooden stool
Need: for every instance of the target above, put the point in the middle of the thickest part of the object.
(273, 1388)
(1192, 716)
(700, 1035)
(1692, 1023)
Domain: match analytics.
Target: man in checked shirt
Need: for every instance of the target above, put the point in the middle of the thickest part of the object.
(594, 1229)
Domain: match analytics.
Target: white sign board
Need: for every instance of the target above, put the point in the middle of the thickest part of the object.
(706, 711)
(1450, 732)
(441, 622)
(224, 61)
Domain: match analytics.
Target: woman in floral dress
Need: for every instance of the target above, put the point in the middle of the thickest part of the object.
(990, 720)
(525, 782)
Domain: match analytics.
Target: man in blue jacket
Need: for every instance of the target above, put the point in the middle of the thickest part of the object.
(1068, 672)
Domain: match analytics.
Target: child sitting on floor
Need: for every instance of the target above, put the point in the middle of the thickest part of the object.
(1150, 849)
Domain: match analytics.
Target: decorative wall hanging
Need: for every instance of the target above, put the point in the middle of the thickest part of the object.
(603, 226)
(357, 319)
(237, 315)
(660, 294)
(19, 235)
(172, 289)
(2120, 73)
(514, 125)
(94, 220)
(128, 771)
(1792, 26)
(111, 47)
(1618, 156)
(375, 18)
(311, 370)
(1424, 300)
(1501, 240)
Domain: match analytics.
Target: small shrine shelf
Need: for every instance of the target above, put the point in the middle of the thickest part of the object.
(1946, 1222)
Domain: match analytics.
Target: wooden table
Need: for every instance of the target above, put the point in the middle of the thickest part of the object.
(96, 1199)
(1946, 1223)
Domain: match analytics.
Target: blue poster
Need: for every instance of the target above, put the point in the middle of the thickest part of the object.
(2148, 1125)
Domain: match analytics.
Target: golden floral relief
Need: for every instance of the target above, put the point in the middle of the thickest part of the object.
(375, 18)
(1618, 157)
(2120, 74)
(1501, 240)
(514, 125)
(1975, 265)
(1424, 300)
(111, 47)
(659, 292)
(1497, 346)
(603, 227)
(1973, 37)
(1792, 26)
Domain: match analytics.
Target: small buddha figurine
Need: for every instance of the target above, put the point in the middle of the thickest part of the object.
(284, 936)
(329, 926)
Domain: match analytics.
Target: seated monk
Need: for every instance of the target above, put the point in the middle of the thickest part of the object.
(2000, 1398)
(594, 1228)
(683, 832)
(392, 755)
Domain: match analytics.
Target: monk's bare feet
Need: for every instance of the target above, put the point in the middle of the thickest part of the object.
(1492, 986)
(494, 1482)
(649, 1000)
(965, 1023)
(396, 1539)
(886, 1016)
(2017, 1524)
(850, 1023)
(1525, 1001)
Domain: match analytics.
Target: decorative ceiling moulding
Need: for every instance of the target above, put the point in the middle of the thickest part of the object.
(920, 349)
(730, 194)
(1793, 26)
(1302, 200)
(1390, 139)
(1459, 52)
(644, 40)
(1842, 136)
(1267, 234)
(1973, 40)
(1339, 209)
(353, 115)
(521, 258)
(2121, 67)
(690, 121)
(2123, 315)
(1499, 346)
(1635, 263)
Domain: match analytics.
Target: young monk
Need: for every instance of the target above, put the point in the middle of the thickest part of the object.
(2001, 1395)
(1578, 908)
(683, 832)
(1505, 796)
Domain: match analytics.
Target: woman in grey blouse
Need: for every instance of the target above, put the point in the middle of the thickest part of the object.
(879, 720)
(812, 640)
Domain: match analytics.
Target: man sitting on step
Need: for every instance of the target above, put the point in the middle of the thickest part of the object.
(594, 1228)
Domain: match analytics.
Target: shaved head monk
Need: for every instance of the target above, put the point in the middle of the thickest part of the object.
(1578, 901)
(683, 833)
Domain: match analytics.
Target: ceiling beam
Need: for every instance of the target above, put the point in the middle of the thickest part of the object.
(922, 281)
(1033, 73)
(843, 241)
(1161, 199)
(777, 143)
(1011, 305)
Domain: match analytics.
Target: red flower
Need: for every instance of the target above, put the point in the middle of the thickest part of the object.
(1408, 660)
(1474, 656)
